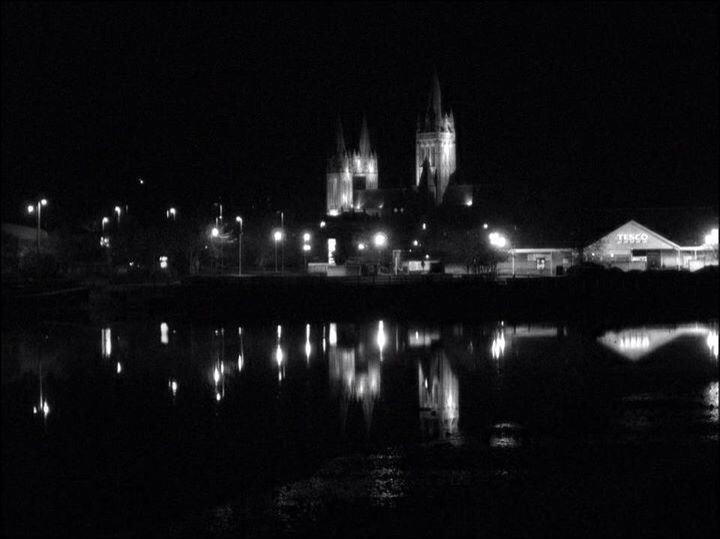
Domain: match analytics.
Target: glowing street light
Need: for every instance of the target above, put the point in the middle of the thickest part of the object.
(322, 224)
(118, 211)
(277, 237)
(497, 240)
(712, 238)
(31, 209)
(171, 213)
(361, 246)
(215, 232)
(105, 220)
(380, 240)
(306, 249)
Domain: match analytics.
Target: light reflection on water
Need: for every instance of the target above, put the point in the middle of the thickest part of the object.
(286, 392)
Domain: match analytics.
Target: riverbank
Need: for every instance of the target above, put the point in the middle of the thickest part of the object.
(666, 295)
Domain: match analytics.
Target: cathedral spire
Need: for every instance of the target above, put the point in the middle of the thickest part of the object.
(436, 98)
(340, 138)
(364, 138)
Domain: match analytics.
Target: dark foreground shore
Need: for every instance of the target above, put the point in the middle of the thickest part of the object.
(600, 296)
(465, 487)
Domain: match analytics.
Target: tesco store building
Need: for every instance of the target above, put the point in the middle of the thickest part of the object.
(633, 246)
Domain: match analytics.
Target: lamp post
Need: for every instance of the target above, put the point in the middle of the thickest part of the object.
(306, 247)
(239, 221)
(379, 240)
(214, 232)
(118, 211)
(277, 236)
(105, 220)
(171, 213)
(282, 245)
(31, 209)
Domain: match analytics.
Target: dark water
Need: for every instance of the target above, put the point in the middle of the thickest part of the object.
(384, 427)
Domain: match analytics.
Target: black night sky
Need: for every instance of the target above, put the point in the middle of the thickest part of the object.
(557, 106)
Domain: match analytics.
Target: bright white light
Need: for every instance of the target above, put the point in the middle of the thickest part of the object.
(43, 202)
(712, 238)
(424, 226)
(361, 246)
(216, 375)
(498, 345)
(164, 333)
(306, 247)
(279, 355)
(238, 219)
(34, 410)
(30, 208)
(118, 368)
(46, 409)
(427, 257)
(217, 396)
(215, 232)
(333, 213)
(468, 202)
(306, 237)
(279, 331)
(380, 240)
(712, 342)
(142, 182)
(277, 236)
(332, 335)
(173, 387)
(222, 368)
(105, 220)
(497, 239)
(381, 339)
(117, 210)
(485, 226)
(322, 224)
(163, 262)
(106, 341)
(416, 243)
(240, 362)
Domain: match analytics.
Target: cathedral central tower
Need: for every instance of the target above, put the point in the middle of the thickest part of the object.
(435, 147)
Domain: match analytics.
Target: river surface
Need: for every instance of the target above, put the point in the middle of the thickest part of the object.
(386, 428)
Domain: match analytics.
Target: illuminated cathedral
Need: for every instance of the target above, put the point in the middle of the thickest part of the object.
(349, 172)
(353, 175)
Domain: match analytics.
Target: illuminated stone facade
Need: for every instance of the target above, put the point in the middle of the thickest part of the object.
(435, 152)
(350, 172)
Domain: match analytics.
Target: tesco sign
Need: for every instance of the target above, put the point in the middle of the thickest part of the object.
(640, 237)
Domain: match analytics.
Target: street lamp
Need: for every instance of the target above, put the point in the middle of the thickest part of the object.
(306, 237)
(712, 238)
(380, 240)
(31, 209)
(497, 240)
(105, 220)
(277, 236)
(171, 213)
(117, 212)
(306, 249)
(239, 221)
(215, 232)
